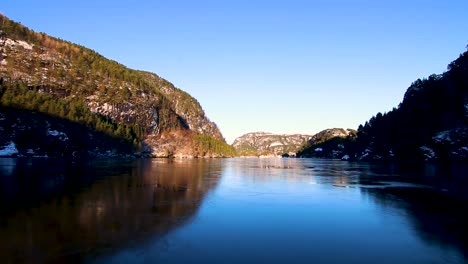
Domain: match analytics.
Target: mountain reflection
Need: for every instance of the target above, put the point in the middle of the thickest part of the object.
(68, 212)
(437, 216)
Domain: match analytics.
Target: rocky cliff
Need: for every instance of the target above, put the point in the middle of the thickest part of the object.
(262, 143)
(43, 74)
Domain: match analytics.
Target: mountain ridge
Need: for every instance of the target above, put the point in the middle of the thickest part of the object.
(288, 145)
(430, 124)
(266, 143)
(52, 76)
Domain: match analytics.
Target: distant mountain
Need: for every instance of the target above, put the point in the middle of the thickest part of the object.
(62, 80)
(262, 143)
(329, 143)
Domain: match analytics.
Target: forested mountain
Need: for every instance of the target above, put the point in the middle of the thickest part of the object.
(431, 123)
(329, 143)
(59, 79)
(262, 143)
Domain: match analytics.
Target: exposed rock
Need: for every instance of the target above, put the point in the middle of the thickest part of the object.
(263, 143)
(77, 75)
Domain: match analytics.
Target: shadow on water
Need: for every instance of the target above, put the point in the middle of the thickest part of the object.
(432, 197)
(437, 218)
(436, 208)
(56, 211)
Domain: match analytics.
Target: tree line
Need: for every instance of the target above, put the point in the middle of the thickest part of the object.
(20, 96)
(431, 107)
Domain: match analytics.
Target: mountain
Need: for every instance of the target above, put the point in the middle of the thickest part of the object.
(69, 83)
(430, 124)
(329, 143)
(262, 143)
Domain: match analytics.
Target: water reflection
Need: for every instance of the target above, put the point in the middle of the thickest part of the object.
(261, 211)
(58, 211)
(437, 217)
(431, 197)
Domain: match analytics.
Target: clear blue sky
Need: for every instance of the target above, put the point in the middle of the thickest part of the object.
(279, 66)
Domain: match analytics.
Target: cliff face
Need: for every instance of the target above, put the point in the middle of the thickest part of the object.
(262, 143)
(80, 85)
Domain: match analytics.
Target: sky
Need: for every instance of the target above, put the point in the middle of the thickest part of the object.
(284, 67)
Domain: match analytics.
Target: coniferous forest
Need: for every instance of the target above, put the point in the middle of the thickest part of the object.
(431, 123)
(47, 75)
(50, 76)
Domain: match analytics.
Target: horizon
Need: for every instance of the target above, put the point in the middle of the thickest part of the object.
(270, 67)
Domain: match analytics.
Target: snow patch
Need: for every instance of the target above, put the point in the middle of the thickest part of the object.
(442, 136)
(428, 153)
(365, 154)
(62, 136)
(345, 157)
(9, 150)
(318, 149)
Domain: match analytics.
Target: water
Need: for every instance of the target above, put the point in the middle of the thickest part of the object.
(231, 211)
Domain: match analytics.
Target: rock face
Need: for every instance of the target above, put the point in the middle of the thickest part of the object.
(74, 77)
(262, 143)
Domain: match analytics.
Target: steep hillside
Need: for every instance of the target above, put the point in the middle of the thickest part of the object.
(430, 124)
(261, 143)
(329, 143)
(25, 133)
(43, 74)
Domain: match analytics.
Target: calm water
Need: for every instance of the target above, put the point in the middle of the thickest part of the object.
(231, 211)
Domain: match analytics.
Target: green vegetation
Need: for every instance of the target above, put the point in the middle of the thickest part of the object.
(71, 70)
(326, 144)
(206, 144)
(66, 80)
(20, 97)
(430, 124)
(437, 104)
(245, 150)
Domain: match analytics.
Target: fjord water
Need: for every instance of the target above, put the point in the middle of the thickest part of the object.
(231, 211)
